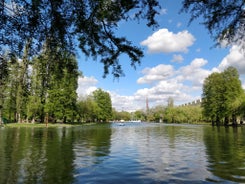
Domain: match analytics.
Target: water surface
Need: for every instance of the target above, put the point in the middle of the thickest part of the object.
(134, 153)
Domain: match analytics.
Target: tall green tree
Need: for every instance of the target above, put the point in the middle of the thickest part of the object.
(23, 85)
(62, 96)
(103, 101)
(220, 94)
(10, 104)
(3, 78)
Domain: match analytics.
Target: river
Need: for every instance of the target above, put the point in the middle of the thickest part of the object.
(132, 153)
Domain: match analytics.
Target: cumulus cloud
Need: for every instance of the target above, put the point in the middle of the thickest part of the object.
(182, 84)
(166, 42)
(157, 73)
(194, 73)
(235, 58)
(86, 85)
(128, 103)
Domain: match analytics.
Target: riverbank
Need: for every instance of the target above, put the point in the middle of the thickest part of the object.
(43, 125)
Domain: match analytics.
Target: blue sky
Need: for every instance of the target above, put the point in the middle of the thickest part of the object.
(177, 58)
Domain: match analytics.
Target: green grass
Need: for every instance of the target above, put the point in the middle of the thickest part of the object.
(43, 125)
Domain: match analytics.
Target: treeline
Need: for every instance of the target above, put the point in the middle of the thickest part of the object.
(40, 88)
(166, 114)
(43, 89)
(176, 114)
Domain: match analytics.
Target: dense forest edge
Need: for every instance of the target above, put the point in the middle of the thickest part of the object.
(41, 91)
(39, 70)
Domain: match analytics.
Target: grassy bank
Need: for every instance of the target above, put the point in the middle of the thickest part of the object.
(43, 125)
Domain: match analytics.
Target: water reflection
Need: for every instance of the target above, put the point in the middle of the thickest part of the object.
(33, 155)
(226, 152)
(164, 153)
(134, 153)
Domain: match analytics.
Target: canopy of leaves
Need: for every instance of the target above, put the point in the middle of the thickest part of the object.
(224, 19)
(221, 93)
(103, 100)
(91, 24)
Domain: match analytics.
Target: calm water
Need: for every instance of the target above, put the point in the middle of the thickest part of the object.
(134, 153)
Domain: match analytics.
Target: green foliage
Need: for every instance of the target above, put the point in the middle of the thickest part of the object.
(95, 108)
(87, 109)
(222, 96)
(10, 107)
(61, 99)
(156, 114)
(123, 115)
(63, 24)
(183, 114)
(103, 100)
(139, 115)
(48, 89)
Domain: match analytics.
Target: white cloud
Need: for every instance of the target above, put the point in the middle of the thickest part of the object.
(235, 58)
(127, 103)
(182, 84)
(194, 73)
(167, 42)
(177, 58)
(86, 85)
(157, 73)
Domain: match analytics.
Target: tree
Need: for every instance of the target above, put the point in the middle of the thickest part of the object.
(155, 114)
(233, 92)
(87, 109)
(3, 77)
(61, 94)
(23, 85)
(221, 91)
(11, 90)
(123, 115)
(224, 19)
(91, 24)
(139, 115)
(103, 100)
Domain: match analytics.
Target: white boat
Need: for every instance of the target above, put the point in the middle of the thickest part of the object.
(135, 121)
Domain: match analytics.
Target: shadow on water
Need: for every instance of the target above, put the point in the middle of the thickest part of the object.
(40, 155)
(36, 155)
(225, 149)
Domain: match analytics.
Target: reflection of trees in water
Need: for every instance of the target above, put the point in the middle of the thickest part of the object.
(91, 144)
(37, 155)
(33, 155)
(225, 148)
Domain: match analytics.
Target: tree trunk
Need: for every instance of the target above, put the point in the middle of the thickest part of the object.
(18, 118)
(226, 121)
(234, 120)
